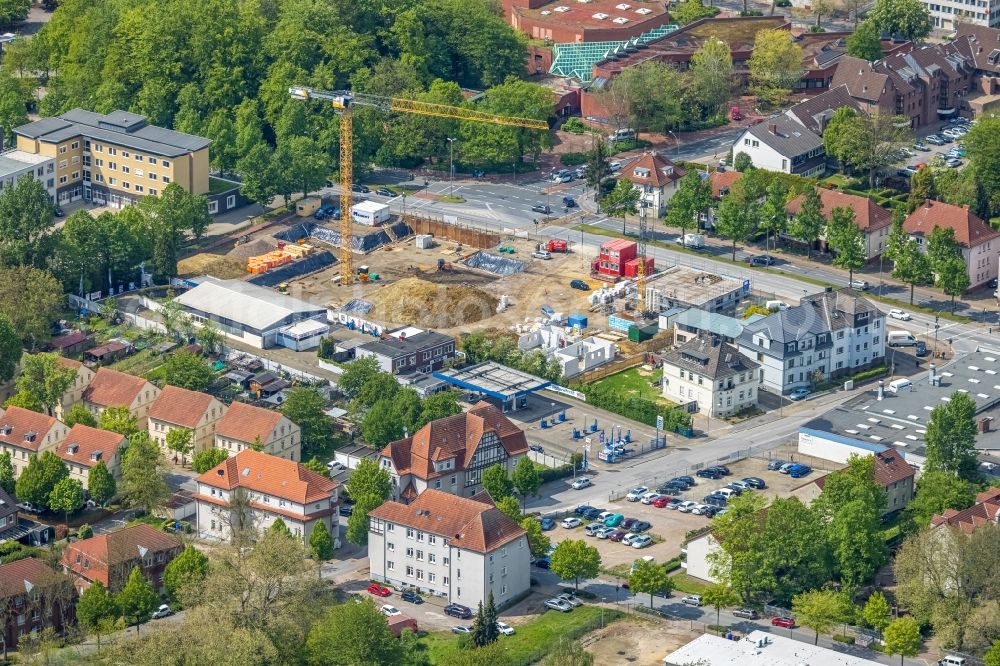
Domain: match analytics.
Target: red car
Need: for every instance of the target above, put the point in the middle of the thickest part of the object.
(617, 535)
(379, 590)
(662, 502)
(786, 622)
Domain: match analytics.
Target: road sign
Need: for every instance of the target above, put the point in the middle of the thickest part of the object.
(659, 422)
(746, 287)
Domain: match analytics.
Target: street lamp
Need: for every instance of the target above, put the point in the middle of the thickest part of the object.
(881, 258)
(677, 141)
(451, 166)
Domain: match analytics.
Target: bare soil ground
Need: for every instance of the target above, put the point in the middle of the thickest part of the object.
(636, 640)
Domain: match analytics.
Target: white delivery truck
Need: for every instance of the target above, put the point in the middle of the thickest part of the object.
(370, 213)
(696, 241)
(901, 339)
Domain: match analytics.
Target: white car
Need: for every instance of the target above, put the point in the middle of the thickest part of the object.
(605, 532)
(162, 611)
(902, 315)
(559, 605)
(570, 523)
(505, 628)
(390, 611)
(687, 506)
(636, 494)
(604, 515)
(570, 599)
(859, 284)
(629, 538)
(649, 498)
(593, 528)
(614, 166)
(581, 483)
(700, 509)
(642, 540)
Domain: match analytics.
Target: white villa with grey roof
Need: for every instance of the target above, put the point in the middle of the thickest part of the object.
(830, 334)
(782, 144)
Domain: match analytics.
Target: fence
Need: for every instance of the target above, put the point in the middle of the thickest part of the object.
(610, 369)
(453, 231)
(547, 459)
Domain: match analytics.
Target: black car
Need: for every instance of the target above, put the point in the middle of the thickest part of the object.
(709, 473)
(543, 563)
(755, 482)
(710, 510)
(685, 481)
(580, 284)
(411, 596)
(541, 208)
(592, 513)
(458, 610)
(715, 500)
(569, 202)
(360, 188)
(736, 489)
(762, 260)
(347, 510)
(537, 448)
(58, 212)
(920, 349)
(671, 489)
(775, 465)
(993, 283)
(723, 469)
(640, 526)
(385, 192)
(582, 509)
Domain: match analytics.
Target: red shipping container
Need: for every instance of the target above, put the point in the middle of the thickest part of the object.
(632, 267)
(556, 245)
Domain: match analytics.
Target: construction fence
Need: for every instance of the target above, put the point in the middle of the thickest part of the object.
(452, 231)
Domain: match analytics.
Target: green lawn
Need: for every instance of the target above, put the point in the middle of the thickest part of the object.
(219, 185)
(533, 639)
(688, 585)
(635, 382)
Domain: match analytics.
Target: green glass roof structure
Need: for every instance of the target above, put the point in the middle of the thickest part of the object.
(576, 60)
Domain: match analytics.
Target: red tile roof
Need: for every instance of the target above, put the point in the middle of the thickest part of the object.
(723, 181)
(244, 423)
(69, 363)
(467, 523)
(18, 423)
(111, 388)
(264, 473)
(113, 548)
(82, 442)
(970, 231)
(661, 171)
(868, 215)
(986, 511)
(890, 468)
(20, 576)
(455, 437)
(180, 406)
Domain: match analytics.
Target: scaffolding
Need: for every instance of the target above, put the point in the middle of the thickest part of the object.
(576, 60)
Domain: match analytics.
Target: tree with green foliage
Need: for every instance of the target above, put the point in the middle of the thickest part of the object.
(693, 195)
(488, 144)
(497, 483)
(510, 507)
(101, 483)
(137, 600)
(866, 142)
(922, 188)
(951, 437)
(773, 216)
(983, 148)
(598, 168)
(912, 266)
(24, 401)
(538, 542)
(846, 239)
(12, 11)
(304, 406)
(78, 413)
(866, 42)
(45, 378)
(187, 569)
(484, 624)
(734, 220)
(742, 162)
(992, 656)
(908, 20)
(808, 223)
(650, 578)
(796, 554)
(689, 11)
(353, 633)
(26, 220)
(775, 66)
(357, 524)
(167, 218)
(369, 478)
(438, 406)
(739, 561)
(207, 459)
(574, 559)
(143, 484)
(318, 466)
(820, 610)
(937, 491)
(119, 420)
(31, 298)
(566, 652)
(952, 276)
(621, 201)
(902, 635)
(209, 336)
(66, 496)
(525, 477)
(876, 613)
(259, 174)
(279, 526)
(188, 370)
(10, 348)
(40, 477)
(96, 610)
(320, 542)
(718, 596)
(179, 440)
(652, 91)
(711, 72)
(6, 473)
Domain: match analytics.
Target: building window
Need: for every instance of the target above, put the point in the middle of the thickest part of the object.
(213, 208)
(431, 578)
(74, 145)
(112, 150)
(62, 179)
(138, 188)
(390, 565)
(125, 169)
(63, 164)
(152, 192)
(409, 571)
(420, 574)
(165, 163)
(409, 552)
(231, 201)
(409, 532)
(75, 159)
(166, 179)
(420, 556)
(138, 158)
(62, 150)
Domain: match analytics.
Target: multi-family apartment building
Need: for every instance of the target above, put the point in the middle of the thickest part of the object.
(18, 164)
(656, 178)
(450, 454)
(458, 548)
(711, 373)
(24, 433)
(33, 596)
(74, 393)
(115, 158)
(84, 447)
(830, 334)
(194, 411)
(110, 388)
(110, 557)
(409, 350)
(243, 426)
(873, 220)
(979, 243)
(782, 144)
(253, 489)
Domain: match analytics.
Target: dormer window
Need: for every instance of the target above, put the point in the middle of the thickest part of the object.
(5, 429)
(96, 455)
(73, 449)
(641, 172)
(30, 436)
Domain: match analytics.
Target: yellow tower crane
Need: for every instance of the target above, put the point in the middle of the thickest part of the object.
(344, 102)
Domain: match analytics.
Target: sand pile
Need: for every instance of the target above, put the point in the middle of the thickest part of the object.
(256, 247)
(426, 304)
(217, 265)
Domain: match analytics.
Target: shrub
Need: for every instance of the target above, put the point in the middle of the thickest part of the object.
(840, 638)
(573, 159)
(629, 144)
(575, 126)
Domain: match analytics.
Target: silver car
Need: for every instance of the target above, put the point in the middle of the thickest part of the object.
(570, 599)
(558, 604)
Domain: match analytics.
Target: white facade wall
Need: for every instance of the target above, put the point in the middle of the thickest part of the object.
(19, 164)
(584, 355)
(835, 449)
(714, 398)
(696, 560)
(213, 521)
(947, 14)
(764, 156)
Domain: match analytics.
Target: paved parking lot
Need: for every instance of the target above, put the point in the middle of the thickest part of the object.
(670, 527)
(927, 157)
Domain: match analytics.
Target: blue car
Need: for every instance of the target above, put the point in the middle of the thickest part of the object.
(548, 524)
(543, 563)
(798, 471)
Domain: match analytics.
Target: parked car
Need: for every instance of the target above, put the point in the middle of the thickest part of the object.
(570, 523)
(661, 501)
(412, 597)
(799, 472)
(379, 590)
(579, 284)
(360, 188)
(541, 254)
(762, 260)
(641, 541)
(902, 315)
(162, 611)
(29, 507)
(786, 468)
(558, 604)
(672, 488)
(710, 510)
(604, 515)
(57, 211)
(541, 208)
(687, 507)
(537, 448)
(684, 479)
(921, 348)
(581, 483)
(709, 473)
(700, 509)
(346, 510)
(799, 393)
(385, 192)
(636, 494)
(582, 509)
(674, 503)
(614, 166)
(715, 499)
(615, 520)
(859, 284)
(953, 162)
(755, 482)
(692, 600)
(569, 202)
(459, 611)
(786, 622)
(571, 599)
(746, 613)
(390, 611)
(649, 498)
(612, 534)
(592, 513)
(547, 524)
(543, 563)
(505, 628)
(460, 629)
(592, 529)
(722, 468)
(627, 539)
(629, 522)
(934, 139)
(921, 147)
(775, 465)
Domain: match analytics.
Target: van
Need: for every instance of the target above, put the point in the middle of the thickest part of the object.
(728, 493)
(900, 385)
(696, 241)
(622, 135)
(776, 305)
(901, 339)
(952, 660)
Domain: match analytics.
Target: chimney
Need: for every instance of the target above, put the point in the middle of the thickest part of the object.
(965, 206)
(984, 424)
(927, 204)
(881, 389)
(772, 128)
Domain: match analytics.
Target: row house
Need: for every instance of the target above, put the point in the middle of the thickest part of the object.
(85, 447)
(244, 426)
(450, 454)
(74, 393)
(33, 596)
(978, 242)
(252, 490)
(874, 221)
(24, 433)
(110, 388)
(110, 557)
(178, 408)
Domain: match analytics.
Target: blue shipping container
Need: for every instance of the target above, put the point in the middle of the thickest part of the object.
(578, 321)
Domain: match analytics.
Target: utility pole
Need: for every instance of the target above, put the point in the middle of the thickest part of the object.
(451, 167)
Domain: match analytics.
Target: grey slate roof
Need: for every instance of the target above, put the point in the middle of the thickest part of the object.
(815, 113)
(785, 326)
(710, 357)
(121, 128)
(831, 304)
(790, 139)
(394, 347)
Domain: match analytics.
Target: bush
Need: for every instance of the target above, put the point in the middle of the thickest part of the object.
(840, 638)
(573, 159)
(554, 473)
(718, 628)
(575, 126)
(629, 144)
